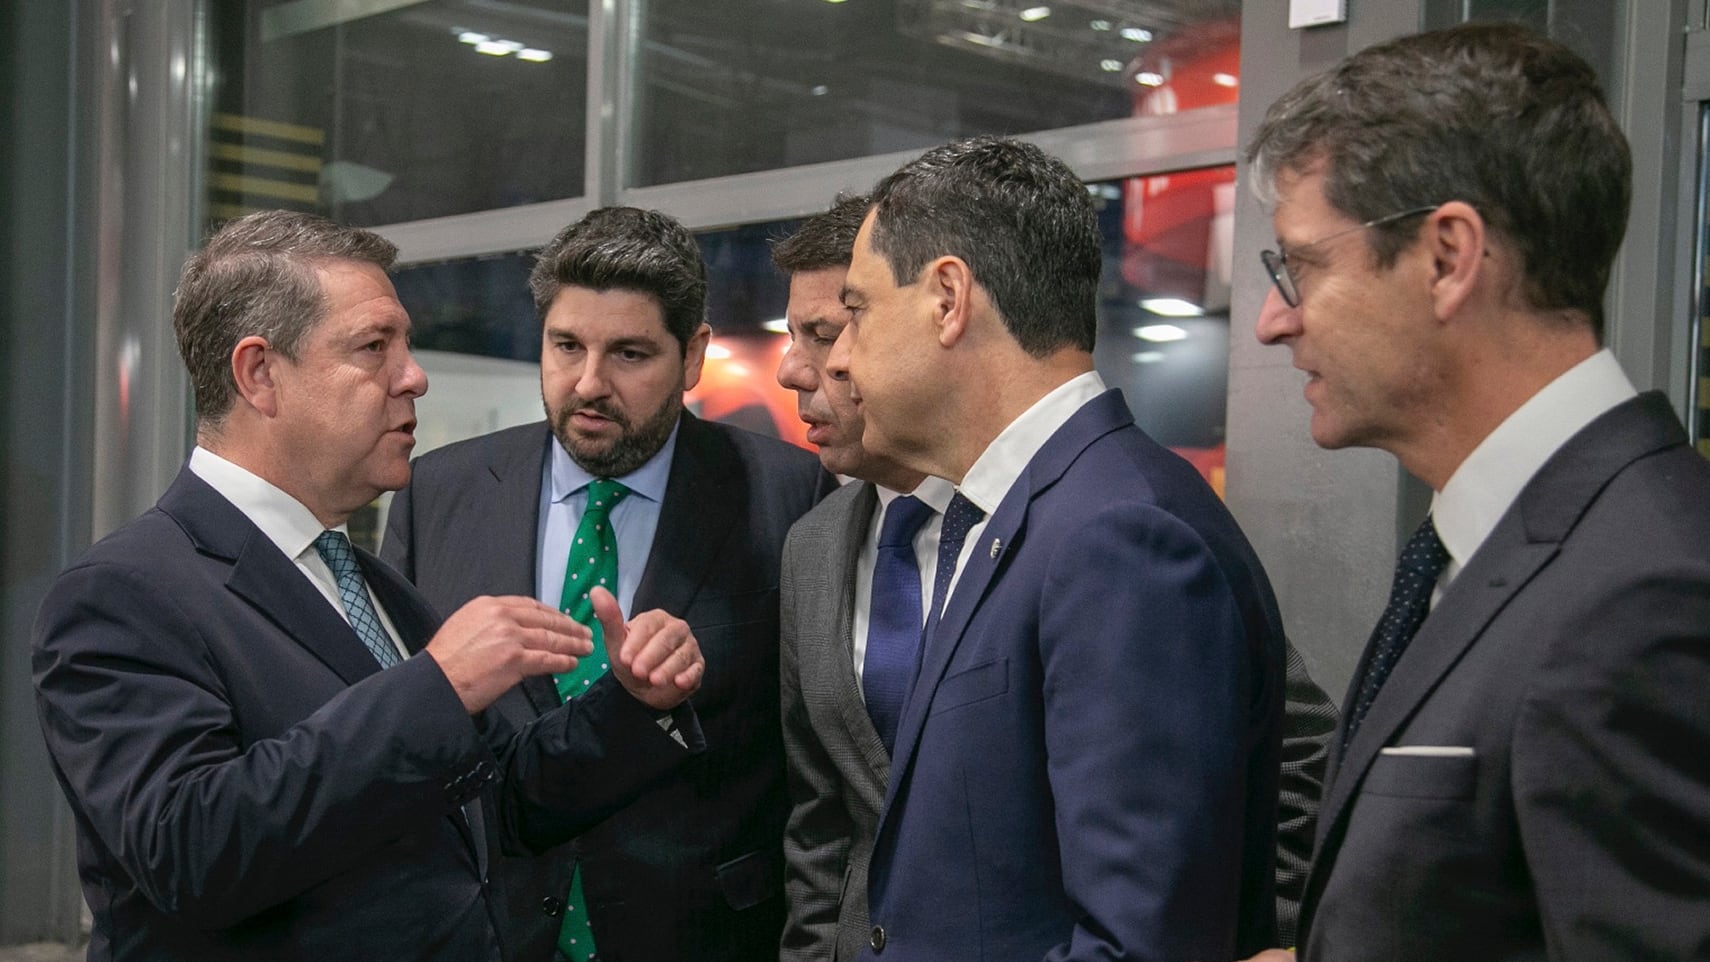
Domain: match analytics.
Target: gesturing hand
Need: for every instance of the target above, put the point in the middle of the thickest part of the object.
(490, 644)
(654, 655)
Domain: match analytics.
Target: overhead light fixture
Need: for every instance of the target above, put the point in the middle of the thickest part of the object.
(820, 90)
(1110, 66)
(1160, 333)
(1147, 78)
(1148, 357)
(1100, 25)
(777, 325)
(833, 1)
(1136, 34)
(493, 48)
(470, 36)
(1224, 79)
(718, 352)
(1035, 14)
(1172, 307)
(534, 56)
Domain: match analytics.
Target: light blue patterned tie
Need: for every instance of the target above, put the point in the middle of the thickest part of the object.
(334, 549)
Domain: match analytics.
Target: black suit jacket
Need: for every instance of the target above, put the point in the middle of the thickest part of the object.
(692, 869)
(247, 784)
(1563, 680)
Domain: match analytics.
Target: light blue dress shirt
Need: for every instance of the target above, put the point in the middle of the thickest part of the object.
(564, 496)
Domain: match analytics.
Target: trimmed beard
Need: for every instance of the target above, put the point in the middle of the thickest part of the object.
(632, 448)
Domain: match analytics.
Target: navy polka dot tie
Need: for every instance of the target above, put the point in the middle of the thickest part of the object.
(959, 519)
(1416, 573)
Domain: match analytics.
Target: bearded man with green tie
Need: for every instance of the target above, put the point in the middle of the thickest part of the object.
(621, 485)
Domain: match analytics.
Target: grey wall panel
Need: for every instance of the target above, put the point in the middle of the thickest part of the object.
(1323, 522)
(44, 432)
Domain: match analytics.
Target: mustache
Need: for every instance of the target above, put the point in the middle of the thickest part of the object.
(599, 406)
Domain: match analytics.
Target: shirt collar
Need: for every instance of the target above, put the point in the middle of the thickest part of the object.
(1488, 482)
(286, 522)
(648, 481)
(936, 492)
(1002, 462)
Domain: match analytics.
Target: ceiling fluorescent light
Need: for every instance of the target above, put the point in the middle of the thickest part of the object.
(1160, 333)
(1172, 307)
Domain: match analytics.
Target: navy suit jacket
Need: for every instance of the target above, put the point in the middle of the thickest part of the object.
(247, 784)
(693, 869)
(1087, 764)
(1563, 682)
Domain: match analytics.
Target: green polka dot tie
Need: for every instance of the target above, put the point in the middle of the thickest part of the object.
(593, 563)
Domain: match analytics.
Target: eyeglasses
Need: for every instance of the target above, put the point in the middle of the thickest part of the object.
(1277, 264)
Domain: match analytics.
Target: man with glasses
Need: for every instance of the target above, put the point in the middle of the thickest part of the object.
(1521, 768)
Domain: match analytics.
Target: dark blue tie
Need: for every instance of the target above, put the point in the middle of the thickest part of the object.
(334, 549)
(959, 519)
(1416, 573)
(893, 623)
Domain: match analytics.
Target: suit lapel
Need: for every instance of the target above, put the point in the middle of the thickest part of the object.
(265, 578)
(1005, 534)
(506, 560)
(499, 562)
(704, 471)
(1526, 539)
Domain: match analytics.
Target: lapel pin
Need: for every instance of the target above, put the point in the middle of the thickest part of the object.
(997, 546)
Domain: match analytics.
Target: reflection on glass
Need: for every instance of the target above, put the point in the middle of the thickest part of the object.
(380, 112)
(1163, 321)
(747, 85)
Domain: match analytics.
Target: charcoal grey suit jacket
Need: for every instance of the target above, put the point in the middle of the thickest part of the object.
(1533, 780)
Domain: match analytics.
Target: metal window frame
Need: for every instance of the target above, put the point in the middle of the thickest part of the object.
(1127, 147)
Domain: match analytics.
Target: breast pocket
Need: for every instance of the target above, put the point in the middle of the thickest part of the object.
(971, 685)
(1422, 776)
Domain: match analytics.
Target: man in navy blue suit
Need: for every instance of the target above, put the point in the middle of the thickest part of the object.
(1086, 765)
(272, 746)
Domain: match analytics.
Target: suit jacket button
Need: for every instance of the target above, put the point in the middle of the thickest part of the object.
(552, 906)
(878, 939)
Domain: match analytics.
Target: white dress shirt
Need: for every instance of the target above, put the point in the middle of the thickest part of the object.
(936, 493)
(1488, 482)
(998, 467)
(564, 497)
(287, 523)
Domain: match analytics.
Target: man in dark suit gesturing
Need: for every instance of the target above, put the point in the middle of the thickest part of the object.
(1522, 763)
(266, 735)
(688, 517)
(1086, 766)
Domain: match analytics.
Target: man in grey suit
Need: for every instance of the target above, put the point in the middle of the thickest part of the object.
(838, 760)
(1521, 768)
(694, 514)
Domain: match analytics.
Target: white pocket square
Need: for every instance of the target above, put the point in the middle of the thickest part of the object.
(1430, 751)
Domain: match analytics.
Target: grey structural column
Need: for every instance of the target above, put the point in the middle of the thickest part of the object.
(151, 122)
(103, 178)
(1327, 524)
(44, 438)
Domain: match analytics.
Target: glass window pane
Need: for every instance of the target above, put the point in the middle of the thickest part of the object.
(381, 111)
(747, 85)
(1163, 323)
